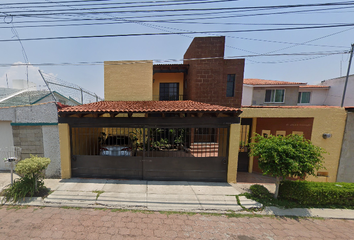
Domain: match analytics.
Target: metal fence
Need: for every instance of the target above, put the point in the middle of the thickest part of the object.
(70, 90)
(150, 142)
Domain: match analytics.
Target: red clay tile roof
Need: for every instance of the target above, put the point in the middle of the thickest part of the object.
(146, 107)
(290, 107)
(253, 81)
(314, 86)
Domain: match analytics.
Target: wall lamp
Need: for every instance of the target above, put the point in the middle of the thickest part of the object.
(326, 135)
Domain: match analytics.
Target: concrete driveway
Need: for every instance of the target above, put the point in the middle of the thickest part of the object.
(136, 194)
(147, 195)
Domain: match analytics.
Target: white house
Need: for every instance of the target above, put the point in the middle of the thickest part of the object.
(335, 93)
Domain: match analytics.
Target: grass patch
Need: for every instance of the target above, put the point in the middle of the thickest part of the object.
(17, 207)
(67, 207)
(98, 193)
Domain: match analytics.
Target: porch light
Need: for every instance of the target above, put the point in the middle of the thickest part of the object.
(326, 135)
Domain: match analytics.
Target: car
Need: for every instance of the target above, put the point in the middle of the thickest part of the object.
(115, 151)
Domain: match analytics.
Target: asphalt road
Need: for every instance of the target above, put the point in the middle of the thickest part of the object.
(68, 223)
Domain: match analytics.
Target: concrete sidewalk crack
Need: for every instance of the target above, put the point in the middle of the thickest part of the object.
(195, 195)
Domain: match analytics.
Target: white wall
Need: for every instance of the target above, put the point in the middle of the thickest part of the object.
(6, 140)
(335, 93)
(317, 98)
(247, 94)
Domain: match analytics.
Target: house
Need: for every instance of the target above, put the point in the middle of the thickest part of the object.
(335, 93)
(33, 128)
(184, 134)
(323, 125)
(260, 92)
(29, 120)
(185, 121)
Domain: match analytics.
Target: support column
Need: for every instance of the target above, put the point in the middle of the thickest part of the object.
(64, 138)
(253, 134)
(234, 145)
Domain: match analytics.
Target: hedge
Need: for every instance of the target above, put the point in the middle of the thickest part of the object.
(318, 193)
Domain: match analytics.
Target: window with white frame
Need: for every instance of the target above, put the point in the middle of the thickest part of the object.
(274, 96)
(304, 97)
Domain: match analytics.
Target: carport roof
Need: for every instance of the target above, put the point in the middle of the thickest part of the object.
(148, 107)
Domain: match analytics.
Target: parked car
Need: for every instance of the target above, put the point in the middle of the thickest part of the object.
(115, 151)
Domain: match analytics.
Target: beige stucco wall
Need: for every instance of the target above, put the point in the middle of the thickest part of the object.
(64, 139)
(167, 78)
(128, 80)
(291, 95)
(326, 120)
(234, 142)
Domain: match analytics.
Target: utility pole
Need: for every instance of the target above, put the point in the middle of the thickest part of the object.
(346, 79)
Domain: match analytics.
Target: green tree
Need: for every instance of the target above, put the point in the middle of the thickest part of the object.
(289, 156)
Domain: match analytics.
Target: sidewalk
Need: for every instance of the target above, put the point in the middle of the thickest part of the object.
(162, 196)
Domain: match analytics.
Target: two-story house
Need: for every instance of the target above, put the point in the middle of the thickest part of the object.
(259, 92)
(160, 122)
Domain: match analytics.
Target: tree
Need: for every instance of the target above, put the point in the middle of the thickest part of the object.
(289, 156)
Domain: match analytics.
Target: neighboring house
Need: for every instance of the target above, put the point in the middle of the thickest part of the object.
(260, 92)
(33, 128)
(25, 97)
(335, 93)
(323, 125)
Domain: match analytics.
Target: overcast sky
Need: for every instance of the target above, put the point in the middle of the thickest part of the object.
(312, 55)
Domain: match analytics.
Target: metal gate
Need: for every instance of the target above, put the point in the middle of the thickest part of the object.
(245, 139)
(150, 153)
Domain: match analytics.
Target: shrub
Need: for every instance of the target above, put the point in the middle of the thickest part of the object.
(292, 155)
(20, 189)
(260, 191)
(317, 194)
(31, 171)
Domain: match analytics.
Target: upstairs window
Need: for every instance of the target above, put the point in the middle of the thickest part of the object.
(169, 91)
(304, 97)
(230, 88)
(274, 96)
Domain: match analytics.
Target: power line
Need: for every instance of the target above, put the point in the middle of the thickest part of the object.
(323, 53)
(175, 33)
(258, 8)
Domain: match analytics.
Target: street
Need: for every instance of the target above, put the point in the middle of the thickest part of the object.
(25, 222)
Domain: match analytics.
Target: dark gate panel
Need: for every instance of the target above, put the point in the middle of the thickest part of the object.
(150, 153)
(245, 137)
(186, 169)
(87, 166)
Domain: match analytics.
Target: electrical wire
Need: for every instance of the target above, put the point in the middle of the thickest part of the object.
(176, 33)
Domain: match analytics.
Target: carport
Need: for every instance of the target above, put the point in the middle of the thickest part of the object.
(149, 140)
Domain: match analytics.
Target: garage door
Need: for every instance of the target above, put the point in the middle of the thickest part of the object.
(150, 153)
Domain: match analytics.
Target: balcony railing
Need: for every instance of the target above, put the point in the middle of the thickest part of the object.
(169, 98)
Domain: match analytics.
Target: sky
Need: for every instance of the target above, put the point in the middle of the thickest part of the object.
(297, 55)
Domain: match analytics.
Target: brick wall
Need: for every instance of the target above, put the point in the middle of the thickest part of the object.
(30, 139)
(207, 78)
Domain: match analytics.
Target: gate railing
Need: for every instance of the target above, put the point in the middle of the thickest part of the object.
(150, 142)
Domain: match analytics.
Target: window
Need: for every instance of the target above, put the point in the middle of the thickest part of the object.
(304, 97)
(230, 88)
(274, 96)
(169, 91)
